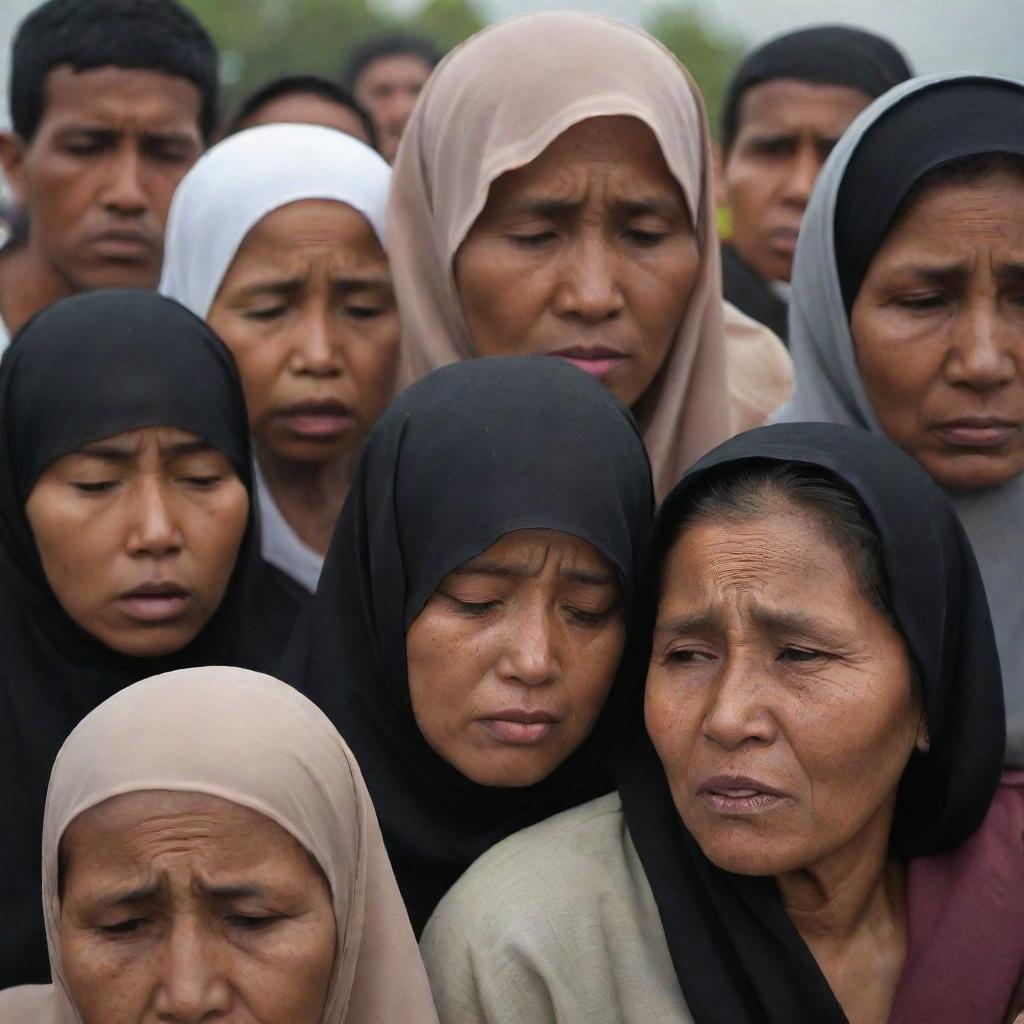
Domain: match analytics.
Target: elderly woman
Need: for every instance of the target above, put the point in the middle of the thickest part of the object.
(128, 544)
(467, 633)
(591, 188)
(907, 315)
(812, 831)
(210, 853)
(275, 238)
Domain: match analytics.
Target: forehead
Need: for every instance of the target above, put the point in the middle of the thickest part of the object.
(396, 68)
(309, 108)
(159, 436)
(786, 104)
(534, 547)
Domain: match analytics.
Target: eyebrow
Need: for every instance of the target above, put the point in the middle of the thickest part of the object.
(102, 132)
(137, 895)
(119, 453)
(145, 892)
(553, 208)
(592, 577)
(292, 285)
(775, 620)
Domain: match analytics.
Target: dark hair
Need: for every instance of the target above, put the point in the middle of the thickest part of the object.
(396, 44)
(155, 35)
(312, 85)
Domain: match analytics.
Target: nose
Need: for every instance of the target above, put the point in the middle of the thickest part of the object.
(154, 531)
(587, 288)
(804, 169)
(736, 714)
(192, 986)
(125, 193)
(530, 655)
(982, 356)
(316, 352)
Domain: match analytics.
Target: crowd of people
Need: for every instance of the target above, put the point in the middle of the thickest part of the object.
(443, 579)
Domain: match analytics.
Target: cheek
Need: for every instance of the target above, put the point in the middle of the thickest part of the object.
(78, 548)
(447, 658)
(372, 364)
(672, 719)
(215, 533)
(106, 987)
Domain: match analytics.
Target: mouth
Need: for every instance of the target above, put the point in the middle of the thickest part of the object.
(155, 602)
(317, 420)
(783, 240)
(123, 245)
(520, 727)
(739, 795)
(597, 360)
(978, 431)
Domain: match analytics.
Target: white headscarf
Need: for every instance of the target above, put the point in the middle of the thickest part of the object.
(249, 175)
(250, 739)
(829, 389)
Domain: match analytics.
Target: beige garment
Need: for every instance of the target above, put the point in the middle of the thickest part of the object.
(555, 924)
(495, 103)
(253, 740)
(760, 370)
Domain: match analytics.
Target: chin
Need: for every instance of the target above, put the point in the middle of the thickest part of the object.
(749, 854)
(502, 774)
(150, 643)
(118, 275)
(967, 473)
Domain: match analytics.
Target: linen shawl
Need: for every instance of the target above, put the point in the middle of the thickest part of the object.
(463, 457)
(84, 369)
(737, 955)
(495, 103)
(247, 738)
(829, 386)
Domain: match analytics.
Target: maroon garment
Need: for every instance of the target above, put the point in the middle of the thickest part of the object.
(965, 921)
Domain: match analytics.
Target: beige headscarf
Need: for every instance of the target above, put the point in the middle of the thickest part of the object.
(497, 102)
(252, 740)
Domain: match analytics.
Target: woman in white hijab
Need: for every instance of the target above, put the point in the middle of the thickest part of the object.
(906, 313)
(276, 239)
(210, 848)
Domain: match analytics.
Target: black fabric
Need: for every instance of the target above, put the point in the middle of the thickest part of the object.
(824, 55)
(750, 293)
(468, 454)
(946, 121)
(82, 370)
(736, 953)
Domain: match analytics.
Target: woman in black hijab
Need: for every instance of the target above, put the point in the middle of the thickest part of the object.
(128, 545)
(484, 560)
(812, 810)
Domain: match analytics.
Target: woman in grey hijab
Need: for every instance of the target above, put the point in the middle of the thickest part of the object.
(907, 316)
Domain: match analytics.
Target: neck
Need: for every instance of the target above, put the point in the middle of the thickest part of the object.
(28, 283)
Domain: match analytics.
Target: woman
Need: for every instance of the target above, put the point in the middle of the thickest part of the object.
(467, 632)
(929, 179)
(813, 831)
(591, 188)
(128, 543)
(210, 852)
(276, 239)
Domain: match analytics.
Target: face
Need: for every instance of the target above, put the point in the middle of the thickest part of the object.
(388, 88)
(512, 658)
(138, 535)
(308, 108)
(596, 235)
(99, 173)
(786, 130)
(938, 328)
(778, 698)
(308, 311)
(184, 907)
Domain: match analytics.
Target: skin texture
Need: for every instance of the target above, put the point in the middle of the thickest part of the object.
(307, 108)
(533, 623)
(938, 328)
(786, 130)
(769, 662)
(146, 506)
(597, 237)
(308, 311)
(110, 149)
(388, 89)
(179, 950)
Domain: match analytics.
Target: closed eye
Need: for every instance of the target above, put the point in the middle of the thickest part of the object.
(473, 607)
(129, 927)
(94, 486)
(251, 923)
(534, 239)
(801, 654)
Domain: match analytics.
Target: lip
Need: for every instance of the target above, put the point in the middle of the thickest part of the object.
(519, 727)
(157, 601)
(597, 360)
(323, 419)
(123, 244)
(978, 431)
(739, 795)
(784, 239)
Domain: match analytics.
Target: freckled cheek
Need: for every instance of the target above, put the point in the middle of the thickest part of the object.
(673, 722)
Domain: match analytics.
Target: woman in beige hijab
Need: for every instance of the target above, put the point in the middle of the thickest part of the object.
(210, 850)
(553, 194)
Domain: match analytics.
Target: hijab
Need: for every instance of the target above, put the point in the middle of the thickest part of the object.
(84, 369)
(249, 739)
(737, 955)
(468, 454)
(908, 132)
(493, 104)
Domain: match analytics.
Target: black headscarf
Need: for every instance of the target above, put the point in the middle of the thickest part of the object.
(737, 955)
(85, 369)
(471, 452)
(943, 122)
(824, 55)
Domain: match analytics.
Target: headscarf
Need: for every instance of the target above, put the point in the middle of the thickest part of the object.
(470, 453)
(737, 955)
(497, 102)
(249, 739)
(241, 180)
(823, 55)
(896, 140)
(84, 369)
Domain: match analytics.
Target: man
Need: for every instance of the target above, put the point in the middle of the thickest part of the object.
(111, 101)
(386, 75)
(785, 108)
